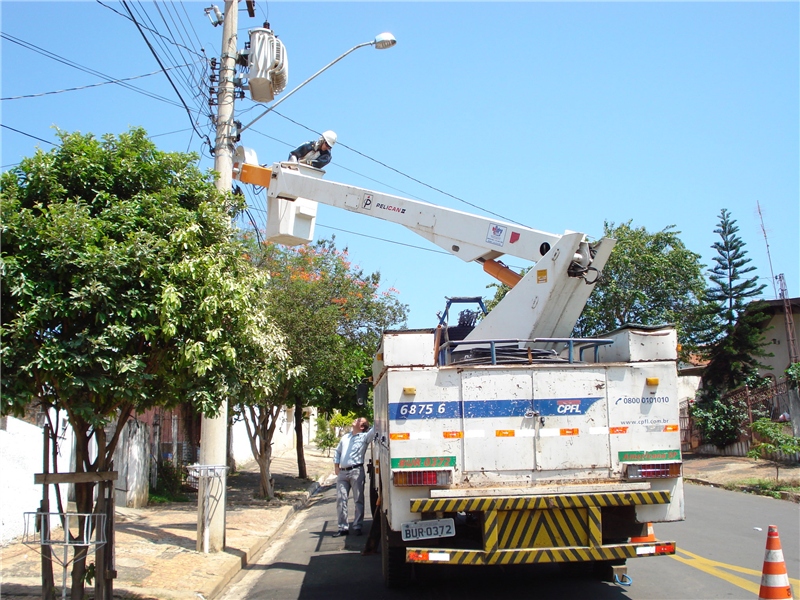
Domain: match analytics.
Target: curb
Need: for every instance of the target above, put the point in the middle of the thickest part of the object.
(787, 496)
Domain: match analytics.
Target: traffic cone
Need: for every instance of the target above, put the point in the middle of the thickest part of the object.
(774, 578)
(650, 537)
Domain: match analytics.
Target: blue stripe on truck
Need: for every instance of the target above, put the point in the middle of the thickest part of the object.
(483, 409)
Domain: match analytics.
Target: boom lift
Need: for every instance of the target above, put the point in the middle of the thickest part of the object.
(500, 443)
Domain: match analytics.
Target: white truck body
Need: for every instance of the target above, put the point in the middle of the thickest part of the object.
(552, 431)
(505, 442)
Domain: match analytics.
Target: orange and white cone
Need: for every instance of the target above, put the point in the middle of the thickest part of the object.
(774, 578)
(650, 537)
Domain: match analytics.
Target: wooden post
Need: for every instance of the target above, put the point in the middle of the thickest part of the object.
(48, 583)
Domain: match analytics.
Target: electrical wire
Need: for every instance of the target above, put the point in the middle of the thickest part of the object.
(151, 30)
(29, 135)
(86, 87)
(149, 45)
(404, 174)
(74, 65)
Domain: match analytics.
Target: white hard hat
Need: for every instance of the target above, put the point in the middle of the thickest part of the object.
(329, 137)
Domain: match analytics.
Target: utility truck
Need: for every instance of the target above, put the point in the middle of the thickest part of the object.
(504, 440)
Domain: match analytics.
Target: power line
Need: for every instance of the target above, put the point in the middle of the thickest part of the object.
(404, 174)
(85, 87)
(151, 30)
(29, 135)
(149, 45)
(74, 65)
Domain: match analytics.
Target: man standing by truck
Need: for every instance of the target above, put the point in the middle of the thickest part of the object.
(348, 462)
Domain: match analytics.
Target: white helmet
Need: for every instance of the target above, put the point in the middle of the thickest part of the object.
(329, 137)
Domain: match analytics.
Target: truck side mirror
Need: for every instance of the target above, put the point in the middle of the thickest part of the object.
(362, 393)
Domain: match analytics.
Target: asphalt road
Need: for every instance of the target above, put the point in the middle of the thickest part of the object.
(721, 553)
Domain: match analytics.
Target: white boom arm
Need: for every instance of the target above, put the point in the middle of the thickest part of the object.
(545, 303)
(469, 237)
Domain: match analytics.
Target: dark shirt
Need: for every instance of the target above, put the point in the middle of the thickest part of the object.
(309, 148)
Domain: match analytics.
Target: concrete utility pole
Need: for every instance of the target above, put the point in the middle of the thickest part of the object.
(214, 432)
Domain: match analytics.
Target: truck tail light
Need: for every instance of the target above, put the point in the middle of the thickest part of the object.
(410, 478)
(653, 471)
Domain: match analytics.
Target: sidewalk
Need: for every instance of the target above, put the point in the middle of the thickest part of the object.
(720, 471)
(155, 546)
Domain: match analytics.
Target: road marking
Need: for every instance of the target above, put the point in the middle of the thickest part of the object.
(713, 567)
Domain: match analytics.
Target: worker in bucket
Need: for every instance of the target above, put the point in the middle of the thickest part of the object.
(348, 463)
(317, 154)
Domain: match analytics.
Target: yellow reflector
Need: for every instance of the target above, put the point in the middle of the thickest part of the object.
(399, 436)
(652, 381)
(409, 391)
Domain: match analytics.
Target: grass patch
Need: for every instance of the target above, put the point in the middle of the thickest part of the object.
(161, 497)
(765, 487)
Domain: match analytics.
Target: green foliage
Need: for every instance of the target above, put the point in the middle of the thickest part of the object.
(649, 279)
(720, 421)
(124, 289)
(332, 316)
(326, 436)
(122, 286)
(343, 422)
(733, 340)
(763, 487)
(169, 485)
(774, 439)
(793, 375)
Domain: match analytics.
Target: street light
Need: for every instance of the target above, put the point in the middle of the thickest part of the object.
(381, 42)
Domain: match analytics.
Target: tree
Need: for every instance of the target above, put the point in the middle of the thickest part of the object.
(123, 288)
(649, 279)
(734, 339)
(332, 315)
(775, 440)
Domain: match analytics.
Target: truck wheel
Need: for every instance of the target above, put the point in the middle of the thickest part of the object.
(396, 571)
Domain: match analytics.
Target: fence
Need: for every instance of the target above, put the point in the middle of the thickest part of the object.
(770, 402)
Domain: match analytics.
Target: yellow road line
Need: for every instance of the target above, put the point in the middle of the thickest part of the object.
(712, 567)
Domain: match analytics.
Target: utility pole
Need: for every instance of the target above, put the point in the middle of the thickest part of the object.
(214, 432)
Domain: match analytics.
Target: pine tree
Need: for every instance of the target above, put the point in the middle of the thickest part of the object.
(735, 340)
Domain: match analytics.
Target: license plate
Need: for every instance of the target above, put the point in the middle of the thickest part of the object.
(424, 530)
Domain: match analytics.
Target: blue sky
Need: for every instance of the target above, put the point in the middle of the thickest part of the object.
(559, 116)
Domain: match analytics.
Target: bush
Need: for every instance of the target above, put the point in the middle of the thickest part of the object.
(720, 422)
(326, 436)
(793, 375)
(169, 484)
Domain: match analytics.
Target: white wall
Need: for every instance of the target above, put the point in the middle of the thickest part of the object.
(21, 453)
(283, 440)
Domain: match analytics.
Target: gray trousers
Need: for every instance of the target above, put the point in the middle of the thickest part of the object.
(346, 481)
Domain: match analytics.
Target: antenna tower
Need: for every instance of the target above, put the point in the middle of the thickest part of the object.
(791, 339)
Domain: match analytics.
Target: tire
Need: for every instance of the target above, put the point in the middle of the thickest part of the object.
(397, 572)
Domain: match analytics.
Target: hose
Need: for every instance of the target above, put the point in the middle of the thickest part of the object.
(626, 579)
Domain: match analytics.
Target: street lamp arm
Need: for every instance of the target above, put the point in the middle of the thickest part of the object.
(374, 42)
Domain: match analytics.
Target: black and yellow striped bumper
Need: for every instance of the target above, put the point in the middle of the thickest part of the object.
(540, 529)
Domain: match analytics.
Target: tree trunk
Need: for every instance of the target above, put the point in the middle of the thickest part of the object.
(83, 504)
(263, 460)
(302, 471)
